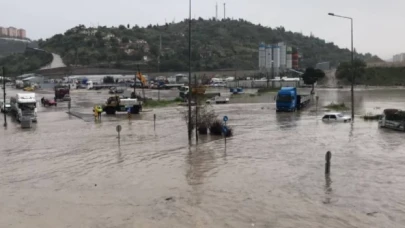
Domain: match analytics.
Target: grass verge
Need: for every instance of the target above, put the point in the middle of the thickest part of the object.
(337, 107)
(268, 90)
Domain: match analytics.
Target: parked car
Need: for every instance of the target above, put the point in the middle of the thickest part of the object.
(336, 117)
(218, 100)
(138, 85)
(116, 90)
(48, 102)
(5, 109)
(67, 97)
(218, 84)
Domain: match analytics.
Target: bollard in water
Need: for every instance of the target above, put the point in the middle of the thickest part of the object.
(154, 121)
(328, 156)
(69, 106)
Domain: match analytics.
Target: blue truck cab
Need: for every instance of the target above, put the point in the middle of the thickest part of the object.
(288, 100)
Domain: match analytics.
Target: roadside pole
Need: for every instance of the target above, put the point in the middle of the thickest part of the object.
(143, 90)
(196, 108)
(4, 96)
(135, 84)
(224, 128)
(154, 121)
(158, 91)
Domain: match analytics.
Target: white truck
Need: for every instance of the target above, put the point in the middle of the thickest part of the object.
(23, 106)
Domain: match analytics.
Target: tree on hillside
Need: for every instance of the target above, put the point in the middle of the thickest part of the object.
(125, 40)
(344, 71)
(311, 76)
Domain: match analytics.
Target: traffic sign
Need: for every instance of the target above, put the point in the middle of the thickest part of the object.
(224, 130)
(225, 118)
(118, 128)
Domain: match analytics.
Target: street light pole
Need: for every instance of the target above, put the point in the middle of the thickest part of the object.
(4, 96)
(189, 74)
(352, 60)
(353, 76)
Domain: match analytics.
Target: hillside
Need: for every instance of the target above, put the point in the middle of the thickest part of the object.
(226, 44)
(383, 76)
(11, 46)
(28, 61)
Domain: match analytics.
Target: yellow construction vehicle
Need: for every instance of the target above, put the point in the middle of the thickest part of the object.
(142, 79)
(29, 89)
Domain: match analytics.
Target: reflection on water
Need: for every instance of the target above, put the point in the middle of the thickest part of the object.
(287, 121)
(328, 189)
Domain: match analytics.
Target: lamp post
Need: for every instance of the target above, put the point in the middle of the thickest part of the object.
(4, 95)
(352, 59)
(189, 74)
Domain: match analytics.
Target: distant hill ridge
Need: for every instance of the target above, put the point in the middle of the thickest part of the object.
(225, 44)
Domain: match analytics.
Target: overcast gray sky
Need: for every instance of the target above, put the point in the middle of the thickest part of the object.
(379, 25)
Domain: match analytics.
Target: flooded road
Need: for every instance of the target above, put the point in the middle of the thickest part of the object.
(72, 172)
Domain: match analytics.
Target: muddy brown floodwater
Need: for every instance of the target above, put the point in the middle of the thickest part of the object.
(72, 172)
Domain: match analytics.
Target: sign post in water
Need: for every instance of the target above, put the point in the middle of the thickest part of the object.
(224, 128)
(118, 128)
(154, 121)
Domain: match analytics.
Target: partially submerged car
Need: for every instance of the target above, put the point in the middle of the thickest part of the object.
(116, 90)
(336, 117)
(393, 119)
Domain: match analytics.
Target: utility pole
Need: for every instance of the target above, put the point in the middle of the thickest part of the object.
(216, 11)
(4, 96)
(224, 10)
(134, 84)
(189, 74)
(353, 75)
(143, 90)
(160, 51)
(272, 62)
(196, 108)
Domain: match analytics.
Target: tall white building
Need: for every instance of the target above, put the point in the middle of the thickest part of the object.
(3, 31)
(399, 58)
(269, 57)
(278, 56)
(262, 56)
(283, 55)
(12, 32)
(289, 57)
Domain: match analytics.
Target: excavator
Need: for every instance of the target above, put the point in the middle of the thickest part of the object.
(141, 78)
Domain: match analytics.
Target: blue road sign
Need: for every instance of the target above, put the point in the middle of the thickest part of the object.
(225, 118)
(224, 130)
